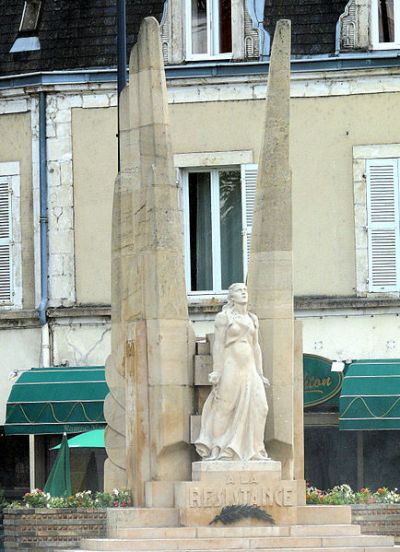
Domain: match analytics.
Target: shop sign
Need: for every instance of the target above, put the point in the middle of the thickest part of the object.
(320, 384)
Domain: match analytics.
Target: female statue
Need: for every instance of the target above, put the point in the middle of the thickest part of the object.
(234, 414)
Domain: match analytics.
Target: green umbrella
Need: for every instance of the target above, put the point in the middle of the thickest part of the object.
(59, 481)
(90, 439)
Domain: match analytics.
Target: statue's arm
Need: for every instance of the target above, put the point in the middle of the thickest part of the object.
(218, 348)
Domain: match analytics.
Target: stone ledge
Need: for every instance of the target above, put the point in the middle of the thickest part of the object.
(29, 317)
(22, 318)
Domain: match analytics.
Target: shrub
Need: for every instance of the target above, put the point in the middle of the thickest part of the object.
(36, 499)
(343, 494)
(118, 498)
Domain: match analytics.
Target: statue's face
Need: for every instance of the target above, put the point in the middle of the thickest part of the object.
(239, 294)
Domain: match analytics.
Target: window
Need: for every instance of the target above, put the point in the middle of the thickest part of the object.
(27, 39)
(213, 29)
(10, 242)
(377, 217)
(209, 28)
(383, 224)
(218, 210)
(385, 24)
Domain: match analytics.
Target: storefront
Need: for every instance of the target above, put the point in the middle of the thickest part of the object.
(351, 423)
(350, 436)
(45, 403)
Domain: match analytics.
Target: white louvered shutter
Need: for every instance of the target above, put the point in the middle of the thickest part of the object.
(249, 181)
(5, 241)
(383, 224)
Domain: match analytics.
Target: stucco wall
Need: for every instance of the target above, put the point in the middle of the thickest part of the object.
(95, 168)
(18, 147)
(324, 130)
(20, 350)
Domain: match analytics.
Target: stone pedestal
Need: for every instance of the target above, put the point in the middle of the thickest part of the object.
(218, 484)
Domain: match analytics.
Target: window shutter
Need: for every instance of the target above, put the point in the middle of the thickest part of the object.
(5, 241)
(249, 181)
(383, 224)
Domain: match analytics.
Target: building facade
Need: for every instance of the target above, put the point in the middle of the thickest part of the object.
(58, 123)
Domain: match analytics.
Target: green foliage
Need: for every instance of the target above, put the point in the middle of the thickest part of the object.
(36, 499)
(104, 500)
(3, 501)
(58, 502)
(118, 498)
(80, 500)
(343, 494)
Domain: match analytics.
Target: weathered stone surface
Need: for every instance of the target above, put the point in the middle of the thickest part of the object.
(270, 278)
(152, 339)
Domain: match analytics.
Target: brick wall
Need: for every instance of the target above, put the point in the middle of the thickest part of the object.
(377, 519)
(42, 529)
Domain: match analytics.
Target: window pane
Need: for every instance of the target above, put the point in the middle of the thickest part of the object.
(330, 457)
(199, 26)
(230, 228)
(386, 20)
(200, 231)
(225, 26)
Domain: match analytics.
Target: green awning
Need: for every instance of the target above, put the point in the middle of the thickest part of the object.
(57, 400)
(370, 396)
(89, 439)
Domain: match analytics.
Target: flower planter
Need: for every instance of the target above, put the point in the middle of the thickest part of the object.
(377, 519)
(46, 529)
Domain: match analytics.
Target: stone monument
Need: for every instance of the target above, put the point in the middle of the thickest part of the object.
(149, 371)
(235, 467)
(270, 277)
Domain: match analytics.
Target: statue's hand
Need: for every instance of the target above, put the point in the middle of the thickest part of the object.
(214, 378)
(265, 381)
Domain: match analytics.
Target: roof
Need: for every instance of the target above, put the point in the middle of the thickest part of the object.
(313, 23)
(73, 34)
(78, 34)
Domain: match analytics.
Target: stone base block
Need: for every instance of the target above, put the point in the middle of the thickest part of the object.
(159, 494)
(223, 483)
(201, 517)
(121, 518)
(231, 471)
(323, 515)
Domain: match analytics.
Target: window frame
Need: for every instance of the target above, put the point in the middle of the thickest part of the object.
(362, 156)
(212, 33)
(11, 172)
(376, 45)
(215, 227)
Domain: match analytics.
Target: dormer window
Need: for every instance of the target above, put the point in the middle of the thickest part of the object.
(385, 24)
(27, 39)
(30, 16)
(193, 30)
(209, 28)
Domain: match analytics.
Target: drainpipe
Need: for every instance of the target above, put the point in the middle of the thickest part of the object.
(43, 264)
(121, 59)
(43, 209)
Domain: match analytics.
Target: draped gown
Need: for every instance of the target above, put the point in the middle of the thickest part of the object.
(234, 414)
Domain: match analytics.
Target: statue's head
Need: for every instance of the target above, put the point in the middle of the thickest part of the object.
(237, 294)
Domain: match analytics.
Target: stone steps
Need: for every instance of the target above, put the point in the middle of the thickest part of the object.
(356, 543)
(255, 531)
(335, 549)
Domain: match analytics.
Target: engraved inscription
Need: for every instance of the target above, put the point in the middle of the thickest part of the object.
(231, 493)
